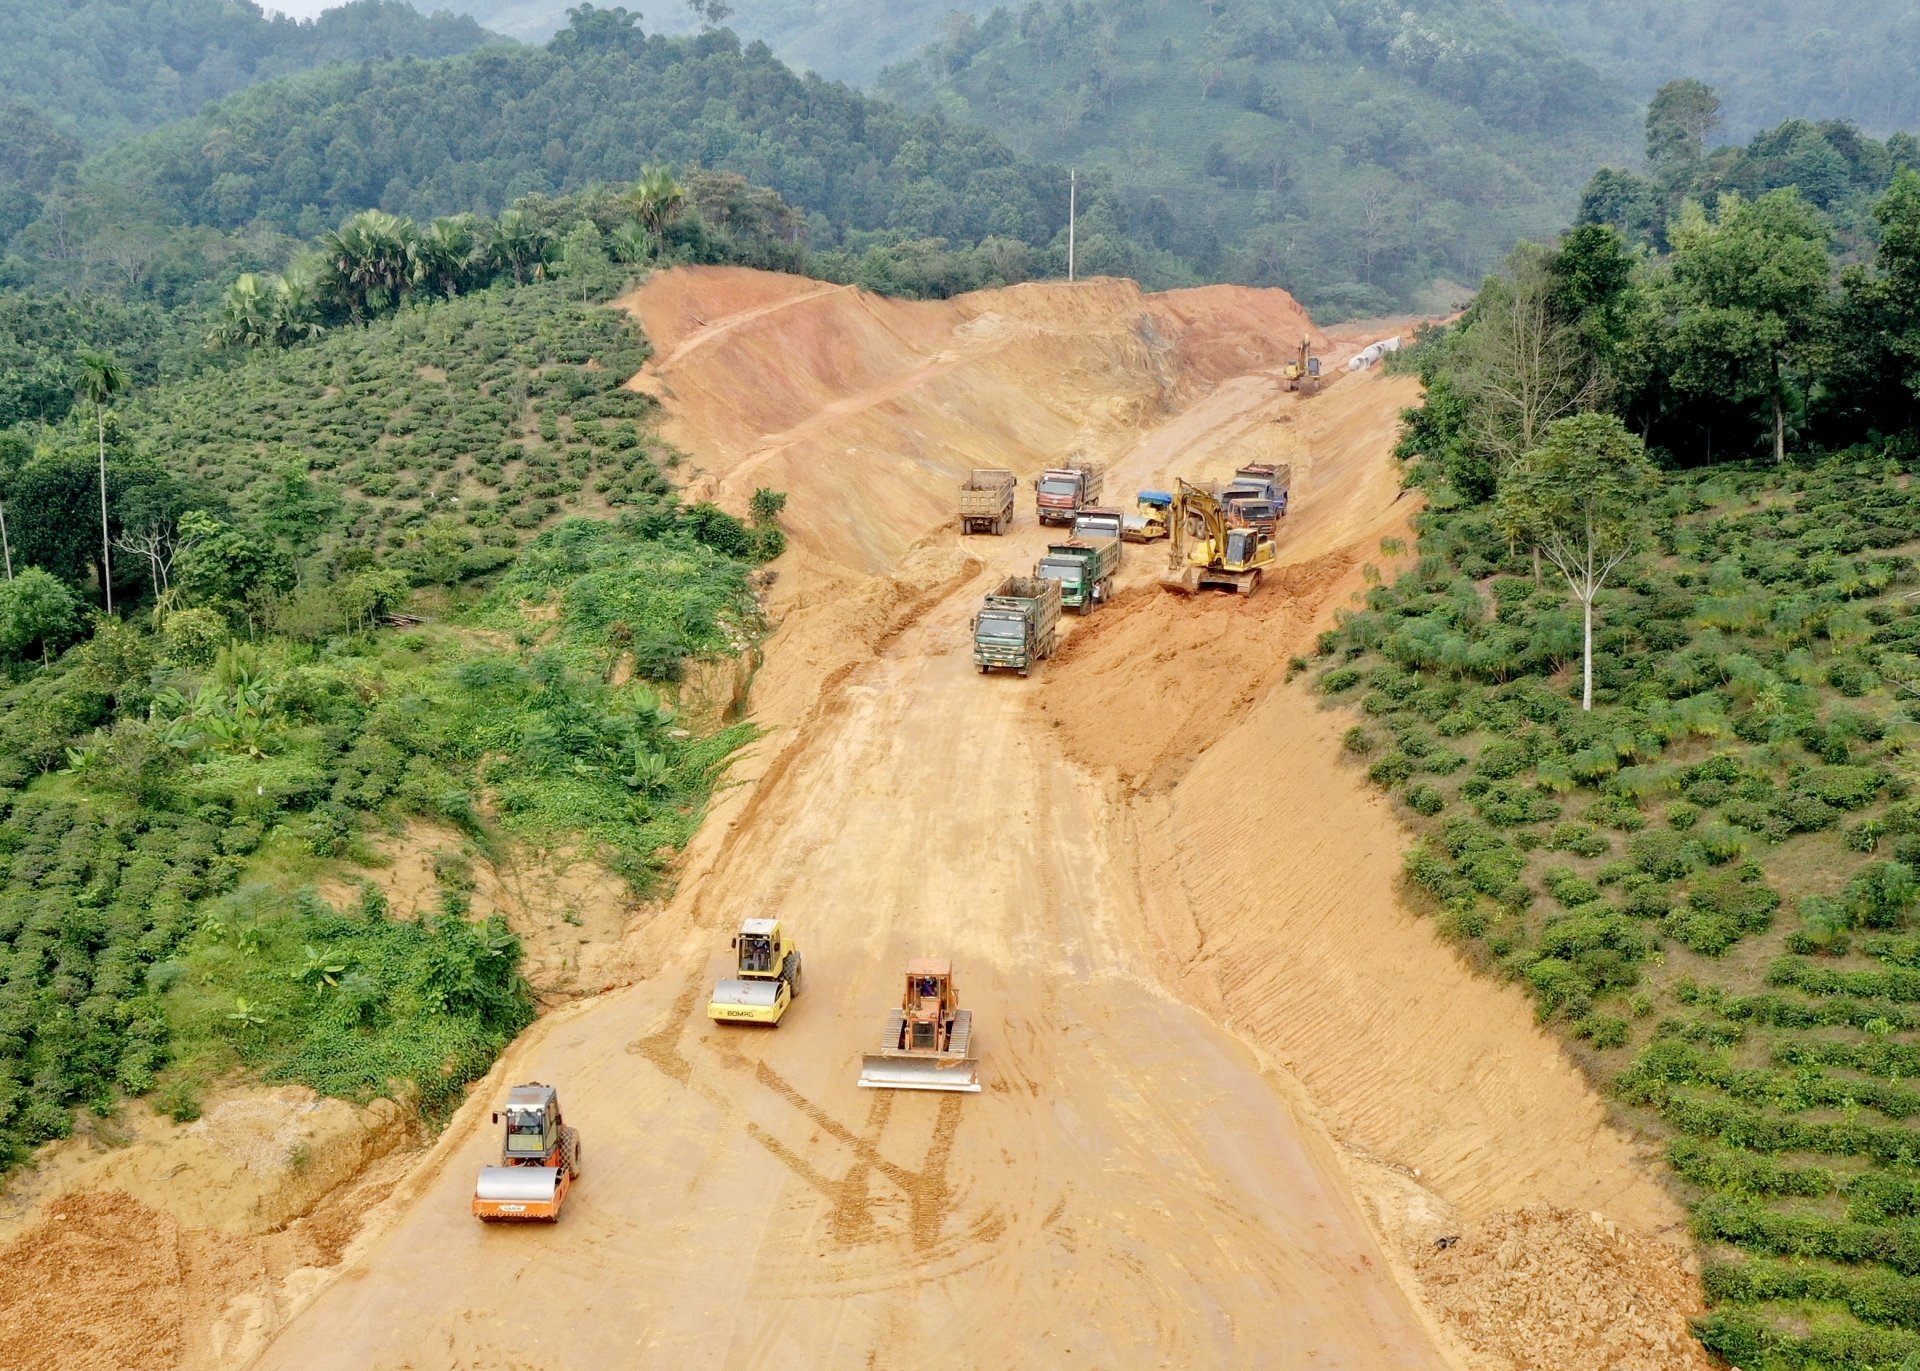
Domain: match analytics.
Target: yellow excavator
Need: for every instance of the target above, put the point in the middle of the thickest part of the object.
(1208, 550)
(1303, 373)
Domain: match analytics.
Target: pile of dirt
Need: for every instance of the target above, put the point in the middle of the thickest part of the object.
(1547, 1289)
(103, 1281)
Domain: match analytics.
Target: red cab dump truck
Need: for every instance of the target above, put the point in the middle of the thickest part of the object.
(1060, 493)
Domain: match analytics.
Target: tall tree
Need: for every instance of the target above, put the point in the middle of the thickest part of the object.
(1582, 497)
(1520, 364)
(1680, 117)
(1750, 286)
(102, 378)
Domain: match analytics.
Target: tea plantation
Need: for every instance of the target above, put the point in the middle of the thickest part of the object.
(1711, 881)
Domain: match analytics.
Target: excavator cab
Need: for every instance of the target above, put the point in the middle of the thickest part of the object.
(1241, 543)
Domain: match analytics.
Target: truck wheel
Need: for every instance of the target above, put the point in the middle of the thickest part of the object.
(1023, 673)
(983, 671)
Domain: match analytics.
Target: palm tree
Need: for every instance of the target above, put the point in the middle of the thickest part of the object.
(657, 200)
(370, 261)
(246, 315)
(102, 378)
(444, 254)
(629, 242)
(520, 241)
(296, 308)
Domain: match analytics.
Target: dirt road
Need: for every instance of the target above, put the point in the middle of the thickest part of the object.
(1134, 1188)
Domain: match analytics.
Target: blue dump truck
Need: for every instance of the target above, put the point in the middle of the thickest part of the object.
(1085, 564)
(1018, 625)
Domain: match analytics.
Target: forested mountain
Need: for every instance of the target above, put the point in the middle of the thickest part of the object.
(101, 69)
(1353, 152)
(1810, 59)
(842, 40)
(216, 194)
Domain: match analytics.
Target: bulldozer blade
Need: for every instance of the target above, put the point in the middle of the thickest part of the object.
(920, 1073)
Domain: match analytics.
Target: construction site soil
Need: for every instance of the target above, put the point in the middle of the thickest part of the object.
(1237, 1094)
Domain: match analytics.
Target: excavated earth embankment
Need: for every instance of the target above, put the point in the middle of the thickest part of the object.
(1235, 1091)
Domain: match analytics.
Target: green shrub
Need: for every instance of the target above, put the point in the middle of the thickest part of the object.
(1425, 799)
(1665, 854)
(1391, 769)
(1357, 740)
(1504, 758)
(1583, 840)
(1338, 680)
(1682, 815)
(1509, 805)
(1602, 1030)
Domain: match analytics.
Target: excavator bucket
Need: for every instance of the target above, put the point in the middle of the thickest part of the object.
(1183, 582)
(507, 1194)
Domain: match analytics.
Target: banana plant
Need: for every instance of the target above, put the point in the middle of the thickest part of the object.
(320, 968)
(246, 1014)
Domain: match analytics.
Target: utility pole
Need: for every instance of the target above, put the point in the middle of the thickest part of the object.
(1073, 207)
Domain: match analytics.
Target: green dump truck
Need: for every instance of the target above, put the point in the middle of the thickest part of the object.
(1085, 564)
(1018, 625)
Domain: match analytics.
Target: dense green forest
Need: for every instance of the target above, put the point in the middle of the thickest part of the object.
(1837, 59)
(1354, 153)
(233, 189)
(1839, 170)
(98, 70)
(1647, 695)
(179, 775)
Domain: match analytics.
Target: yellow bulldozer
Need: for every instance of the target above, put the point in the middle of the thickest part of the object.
(766, 980)
(929, 1039)
(1209, 550)
(539, 1160)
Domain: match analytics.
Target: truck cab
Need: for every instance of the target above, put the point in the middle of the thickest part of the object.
(1070, 565)
(1001, 637)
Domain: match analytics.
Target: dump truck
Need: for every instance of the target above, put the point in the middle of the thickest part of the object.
(928, 1044)
(1060, 493)
(1085, 564)
(1257, 496)
(539, 1160)
(1018, 624)
(1148, 522)
(986, 501)
(1207, 551)
(766, 980)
